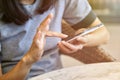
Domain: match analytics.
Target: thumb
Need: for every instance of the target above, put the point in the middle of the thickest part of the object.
(80, 31)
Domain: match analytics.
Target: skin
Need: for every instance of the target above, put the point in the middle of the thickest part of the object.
(20, 71)
(22, 68)
(95, 38)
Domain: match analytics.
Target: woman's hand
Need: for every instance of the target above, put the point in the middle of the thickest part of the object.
(95, 38)
(37, 47)
(72, 46)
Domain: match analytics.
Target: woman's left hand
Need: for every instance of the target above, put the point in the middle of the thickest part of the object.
(72, 46)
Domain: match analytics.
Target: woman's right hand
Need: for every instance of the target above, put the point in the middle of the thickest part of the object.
(36, 50)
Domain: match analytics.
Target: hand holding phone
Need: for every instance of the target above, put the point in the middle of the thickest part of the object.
(89, 30)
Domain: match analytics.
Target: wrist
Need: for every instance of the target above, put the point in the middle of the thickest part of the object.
(27, 60)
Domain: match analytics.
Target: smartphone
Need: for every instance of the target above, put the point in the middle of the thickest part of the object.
(87, 31)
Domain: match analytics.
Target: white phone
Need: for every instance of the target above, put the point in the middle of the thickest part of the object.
(89, 30)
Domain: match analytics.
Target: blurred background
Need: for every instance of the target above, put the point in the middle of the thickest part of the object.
(107, 10)
(109, 13)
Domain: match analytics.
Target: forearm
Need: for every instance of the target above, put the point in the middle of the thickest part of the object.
(33, 55)
(19, 72)
(97, 37)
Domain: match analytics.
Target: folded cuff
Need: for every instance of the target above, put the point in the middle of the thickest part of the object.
(88, 20)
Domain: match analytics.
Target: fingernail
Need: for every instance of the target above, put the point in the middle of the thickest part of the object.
(65, 35)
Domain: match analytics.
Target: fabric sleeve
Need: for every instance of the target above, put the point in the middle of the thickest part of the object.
(78, 13)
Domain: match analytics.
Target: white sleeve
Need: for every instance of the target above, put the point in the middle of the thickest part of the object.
(78, 10)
